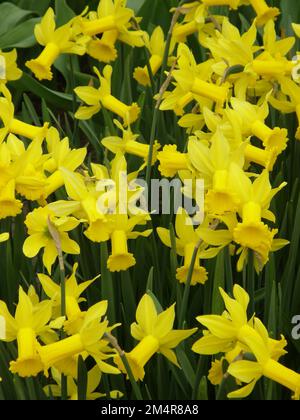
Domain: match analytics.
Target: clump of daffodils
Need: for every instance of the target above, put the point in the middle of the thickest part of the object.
(63, 195)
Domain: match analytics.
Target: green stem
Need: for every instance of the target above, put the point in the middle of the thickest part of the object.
(64, 385)
(188, 287)
(251, 283)
(156, 110)
(133, 382)
(114, 342)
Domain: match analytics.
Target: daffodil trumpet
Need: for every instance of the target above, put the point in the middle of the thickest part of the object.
(55, 352)
(104, 49)
(275, 138)
(140, 356)
(28, 362)
(218, 94)
(41, 66)
(29, 131)
(263, 157)
(199, 275)
(272, 68)
(129, 113)
(263, 11)
(120, 259)
(142, 74)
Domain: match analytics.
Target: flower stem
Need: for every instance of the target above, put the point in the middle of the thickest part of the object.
(114, 342)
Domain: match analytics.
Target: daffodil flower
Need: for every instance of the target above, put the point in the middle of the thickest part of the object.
(121, 229)
(9, 205)
(176, 101)
(74, 314)
(291, 103)
(102, 97)
(13, 125)
(172, 161)
(61, 157)
(111, 15)
(9, 70)
(26, 326)
(156, 46)
(113, 22)
(255, 199)
(56, 42)
(186, 243)
(194, 21)
(155, 334)
(213, 164)
(191, 81)
(224, 332)
(129, 144)
(253, 118)
(37, 223)
(89, 339)
(263, 11)
(231, 332)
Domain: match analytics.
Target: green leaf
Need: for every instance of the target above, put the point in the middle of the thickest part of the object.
(11, 16)
(63, 12)
(21, 36)
(58, 99)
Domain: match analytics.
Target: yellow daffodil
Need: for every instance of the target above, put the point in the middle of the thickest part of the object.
(156, 46)
(27, 169)
(121, 229)
(232, 327)
(269, 352)
(255, 199)
(9, 205)
(194, 21)
(113, 21)
(60, 156)
(176, 101)
(172, 161)
(253, 118)
(90, 339)
(129, 144)
(189, 79)
(9, 70)
(27, 324)
(213, 164)
(74, 290)
(155, 334)
(84, 205)
(13, 125)
(291, 103)
(186, 243)
(111, 15)
(102, 97)
(37, 223)
(263, 11)
(56, 42)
